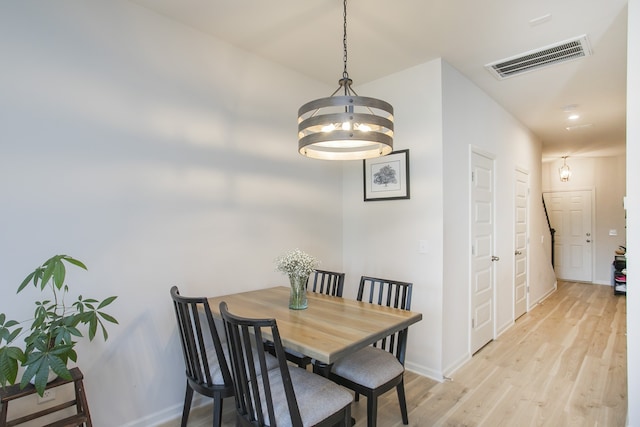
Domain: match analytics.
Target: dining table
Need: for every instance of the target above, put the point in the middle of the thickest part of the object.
(328, 329)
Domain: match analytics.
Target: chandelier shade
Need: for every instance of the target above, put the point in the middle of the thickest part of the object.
(347, 126)
(564, 171)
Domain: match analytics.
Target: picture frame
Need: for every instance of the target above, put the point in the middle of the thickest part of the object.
(387, 177)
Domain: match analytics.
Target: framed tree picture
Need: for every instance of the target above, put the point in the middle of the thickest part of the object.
(387, 177)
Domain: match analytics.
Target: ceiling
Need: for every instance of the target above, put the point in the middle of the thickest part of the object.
(385, 37)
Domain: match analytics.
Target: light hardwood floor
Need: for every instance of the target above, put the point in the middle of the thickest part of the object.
(562, 364)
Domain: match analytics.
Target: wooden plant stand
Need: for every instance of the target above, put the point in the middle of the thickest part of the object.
(82, 417)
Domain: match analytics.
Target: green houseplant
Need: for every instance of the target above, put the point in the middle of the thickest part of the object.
(50, 340)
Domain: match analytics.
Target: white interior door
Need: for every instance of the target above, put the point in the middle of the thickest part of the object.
(570, 216)
(482, 251)
(521, 244)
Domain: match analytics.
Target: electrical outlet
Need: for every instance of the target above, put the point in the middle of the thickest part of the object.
(47, 396)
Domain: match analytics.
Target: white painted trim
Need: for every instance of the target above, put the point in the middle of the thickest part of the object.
(547, 295)
(457, 364)
(424, 371)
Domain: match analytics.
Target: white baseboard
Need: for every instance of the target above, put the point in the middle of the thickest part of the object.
(545, 296)
(449, 370)
(424, 371)
(502, 329)
(170, 415)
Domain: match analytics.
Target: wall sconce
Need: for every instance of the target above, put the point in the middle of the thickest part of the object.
(564, 170)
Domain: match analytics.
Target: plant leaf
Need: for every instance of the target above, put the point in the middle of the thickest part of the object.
(105, 335)
(108, 318)
(74, 261)
(32, 369)
(9, 358)
(13, 335)
(93, 326)
(26, 281)
(106, 302)
(50, 266)
(59, 367)
(59, 273)
(74, 331)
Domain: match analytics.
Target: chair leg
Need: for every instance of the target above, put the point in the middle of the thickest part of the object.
(217, 411)
(372, 411)
(187, 406)
(348, 419)
(403, 402)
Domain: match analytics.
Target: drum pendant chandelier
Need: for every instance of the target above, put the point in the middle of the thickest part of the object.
(348, 126)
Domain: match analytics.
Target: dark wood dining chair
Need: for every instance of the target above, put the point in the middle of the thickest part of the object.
(328, 282)
(376, 369)
(285, 395)
(206, 367)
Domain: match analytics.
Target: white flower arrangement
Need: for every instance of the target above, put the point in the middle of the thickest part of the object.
(296, 263)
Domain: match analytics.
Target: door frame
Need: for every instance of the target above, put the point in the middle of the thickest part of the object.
(528, 239)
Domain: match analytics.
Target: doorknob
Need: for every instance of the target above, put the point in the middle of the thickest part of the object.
(518, 253)
(588, 241)
(495, 258)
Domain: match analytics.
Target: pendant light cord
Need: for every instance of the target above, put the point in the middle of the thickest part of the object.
(345, 74)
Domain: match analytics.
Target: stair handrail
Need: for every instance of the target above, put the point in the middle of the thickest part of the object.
(552, 231)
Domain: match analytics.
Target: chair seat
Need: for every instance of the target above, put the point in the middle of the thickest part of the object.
(370, 367)
(309, 389)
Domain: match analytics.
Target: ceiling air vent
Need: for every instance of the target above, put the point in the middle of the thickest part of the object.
(535, 59)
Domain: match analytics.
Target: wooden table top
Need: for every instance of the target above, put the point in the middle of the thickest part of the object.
(328, 329)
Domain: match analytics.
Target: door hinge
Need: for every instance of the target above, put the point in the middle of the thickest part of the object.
(473, 323)
(473, 177)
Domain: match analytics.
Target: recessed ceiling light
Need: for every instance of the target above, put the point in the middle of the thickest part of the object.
(574, 117)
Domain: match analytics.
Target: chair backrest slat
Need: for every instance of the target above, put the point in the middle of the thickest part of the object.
(390, 293)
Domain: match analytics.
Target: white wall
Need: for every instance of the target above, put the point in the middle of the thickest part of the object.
(473, 119)
(605, 177)
(158, 156)
(381, 238)
(633, 211)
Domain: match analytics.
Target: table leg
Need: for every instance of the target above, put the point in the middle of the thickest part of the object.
(321, 368)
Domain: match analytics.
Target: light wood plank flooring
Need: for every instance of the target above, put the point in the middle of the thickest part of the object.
(562, 364)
